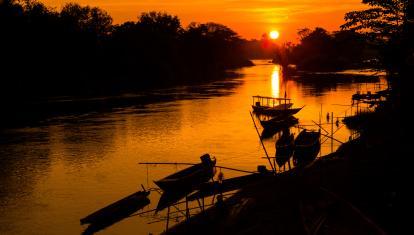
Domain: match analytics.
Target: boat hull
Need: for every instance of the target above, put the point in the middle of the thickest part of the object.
(190, 177)
(307, 146)
(118, 210)
(279, 122)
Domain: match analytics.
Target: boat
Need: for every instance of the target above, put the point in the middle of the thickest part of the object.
(284, 147)
(264, 104)
(307, 145)
(190, 177)
(281, 112)
(279, 122)
(117, 211)
(217, 187)
(170, 198)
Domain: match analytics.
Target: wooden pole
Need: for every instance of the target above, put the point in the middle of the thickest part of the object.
(332, 123)
(168, 219)
(187, 212)
(264, 148)
(192, 164)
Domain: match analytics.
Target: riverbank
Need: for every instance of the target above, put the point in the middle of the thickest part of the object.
(363, 174)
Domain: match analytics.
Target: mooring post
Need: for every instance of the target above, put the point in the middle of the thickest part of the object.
(187, 212)
(332, 126)
(168, 219)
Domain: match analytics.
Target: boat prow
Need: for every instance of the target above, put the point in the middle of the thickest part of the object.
(115, 212)
(190, 177)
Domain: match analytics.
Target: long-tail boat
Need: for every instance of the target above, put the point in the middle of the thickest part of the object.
(270, 106)
(118, 210)
(265, 104)
(279, 122)
(169, 198)
(226, 185)
(190, 177)
(284, 147)
(307, 145)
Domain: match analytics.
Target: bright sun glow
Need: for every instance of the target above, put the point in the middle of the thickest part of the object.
(274, 34)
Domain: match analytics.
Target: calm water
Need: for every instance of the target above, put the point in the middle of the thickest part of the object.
(56, 173)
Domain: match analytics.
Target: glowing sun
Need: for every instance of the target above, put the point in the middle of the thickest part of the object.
(274, 34)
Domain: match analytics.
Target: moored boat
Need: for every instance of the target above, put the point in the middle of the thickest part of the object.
(270, 106)
(119, 209)
(190, 177)
(281, 112)
(284, 147)
(264, 104)
(307, 145)
(279, 122)
(226, 185)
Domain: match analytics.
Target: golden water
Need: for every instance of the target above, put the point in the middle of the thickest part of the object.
(54, 174)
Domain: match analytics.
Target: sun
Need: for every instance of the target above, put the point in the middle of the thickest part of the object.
(274, 34)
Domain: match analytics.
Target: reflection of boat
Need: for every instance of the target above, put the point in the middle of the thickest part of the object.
(190, 177)
(284, 147)
(307, 145)
(116, 211)
(279, 122)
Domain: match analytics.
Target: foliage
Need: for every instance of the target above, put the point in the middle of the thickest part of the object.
(381, 20)
(79, 51)
(390, 23)
(320, 50)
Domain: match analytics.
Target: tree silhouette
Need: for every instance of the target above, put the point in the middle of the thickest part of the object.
(78, 51)
(320, 50)
(381, 20)
(88, 19)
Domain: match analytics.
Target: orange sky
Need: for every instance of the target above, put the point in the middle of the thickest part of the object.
(250, 18)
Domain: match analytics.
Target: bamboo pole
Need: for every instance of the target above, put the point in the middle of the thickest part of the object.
(332, 123)
(264, 148)
(192, 164)
(168, 220)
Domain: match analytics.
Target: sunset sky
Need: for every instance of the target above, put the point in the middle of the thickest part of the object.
(250, 18)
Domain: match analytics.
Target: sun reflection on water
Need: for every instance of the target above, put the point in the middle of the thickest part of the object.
(276, 75)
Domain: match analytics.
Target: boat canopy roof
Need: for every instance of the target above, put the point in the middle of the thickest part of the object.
(269, 98)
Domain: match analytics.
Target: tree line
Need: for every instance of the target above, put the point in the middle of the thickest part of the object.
(78, 50)
(320, 50)
(381, 35)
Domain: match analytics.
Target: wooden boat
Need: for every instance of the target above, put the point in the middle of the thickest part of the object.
(257, 108)
(270, 106)
(279, 122)
(262, 103)
(169, 198)
(281, 112)
(190, 177)
(284, 147)
(216, 187)
(118, 210)
(307, 145)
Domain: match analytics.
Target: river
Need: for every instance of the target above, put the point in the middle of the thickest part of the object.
(59, 171)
